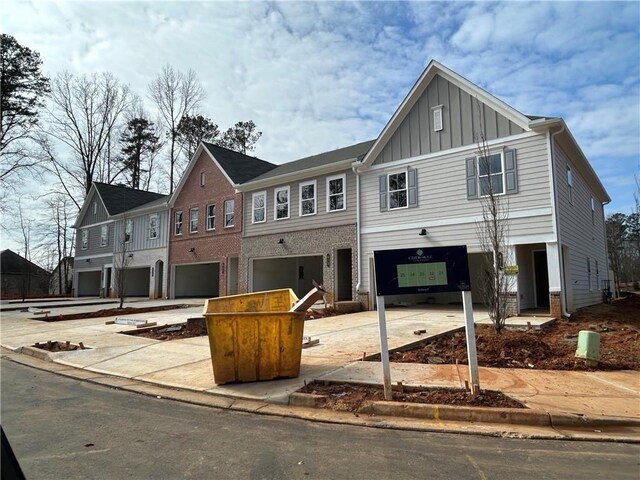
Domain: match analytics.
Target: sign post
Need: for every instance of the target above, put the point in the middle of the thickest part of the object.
(424, 270)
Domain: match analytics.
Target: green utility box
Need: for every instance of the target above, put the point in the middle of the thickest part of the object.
(589, 347)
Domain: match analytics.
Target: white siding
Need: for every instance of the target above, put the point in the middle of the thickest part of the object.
(583, 237)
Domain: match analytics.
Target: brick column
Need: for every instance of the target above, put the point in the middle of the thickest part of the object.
(555, 305)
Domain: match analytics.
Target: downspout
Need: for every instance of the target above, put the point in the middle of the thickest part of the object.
(563, 306)
(358, 245)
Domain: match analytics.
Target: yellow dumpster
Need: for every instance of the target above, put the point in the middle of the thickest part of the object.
(253, 336)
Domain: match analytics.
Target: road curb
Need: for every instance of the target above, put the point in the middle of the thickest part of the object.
(511, 416)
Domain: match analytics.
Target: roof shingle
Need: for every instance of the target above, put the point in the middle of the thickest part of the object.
(239, 167)
(118, 198)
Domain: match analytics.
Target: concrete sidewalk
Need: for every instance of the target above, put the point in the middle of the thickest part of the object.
(186, 363)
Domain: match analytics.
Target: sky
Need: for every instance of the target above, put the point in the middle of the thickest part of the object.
(315, 76)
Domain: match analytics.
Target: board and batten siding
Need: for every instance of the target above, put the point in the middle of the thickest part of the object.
(295, 222)
(463, 118)
(91, 218)
(582, 237)
(444, 210)
(94, 247)
(141, 240)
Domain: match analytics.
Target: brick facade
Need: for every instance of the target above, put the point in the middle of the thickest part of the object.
(205, 246)
(554, 304)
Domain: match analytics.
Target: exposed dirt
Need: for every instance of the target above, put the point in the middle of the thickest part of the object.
(351, 398)
(55, 346)
(109, 312)
(173, 332)
(551, 348)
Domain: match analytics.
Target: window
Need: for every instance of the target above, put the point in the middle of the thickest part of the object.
(211, 217)
(193, 220)
(85, 239)
(128, 230)
(259, 207)
(570, 183)
(104, 235)
(336, 188)
(437, 118)
(281, 203)
(153, 225)
(589, 274)
(490, 175)
(397, 183)
(593, 211)
(178, 223)
(95, 208)
(308, 198)
(229, 206)
(202, 179)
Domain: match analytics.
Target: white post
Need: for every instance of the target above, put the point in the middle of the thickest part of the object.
(384, 349)
(470, 333)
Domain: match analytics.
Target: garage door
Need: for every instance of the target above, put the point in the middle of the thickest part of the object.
(297, 273)
(137, 282)
(200, 280)
(89, 284)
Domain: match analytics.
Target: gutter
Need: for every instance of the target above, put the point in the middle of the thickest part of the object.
(358, 243)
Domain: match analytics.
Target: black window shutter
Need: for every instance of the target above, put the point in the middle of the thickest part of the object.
(472, 178)
(383, 193)
(412, 175)
(510, 171)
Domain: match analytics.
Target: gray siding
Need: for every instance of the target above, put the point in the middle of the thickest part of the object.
(141, 240)
(295, 222)
(94, 241)
(101, 213)
(583, 237)
(463, 119)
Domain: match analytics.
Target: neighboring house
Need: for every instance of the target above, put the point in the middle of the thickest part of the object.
(142, 237)
(95, 240)
(300, 225)
(21, 278)
(206, 222)
(420, 186)
(61, 281)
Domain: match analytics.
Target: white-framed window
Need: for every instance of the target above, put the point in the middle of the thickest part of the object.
(437, 118)
(85, 239)
(229, 214)
(202, 179)
(95, 208)
(128, 230)
(281, 203)
(193, 220)
(259, 207)
(491, 174)
(104, 235)
(308, 198)
(153, 225)
(398, 190)
(570, 183)
(211, 217)
(589, 274)
(178, 223)
(593, 211)
(336, 193)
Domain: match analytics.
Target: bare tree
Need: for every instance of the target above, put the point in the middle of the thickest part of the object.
(84, 114)
(493, 234)
(121, 260)
(176, 94)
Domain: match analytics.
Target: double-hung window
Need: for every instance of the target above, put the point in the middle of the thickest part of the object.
(229, 216)
(308, 198)
(128, 230)
(104, 235)
(178, 224)
(336, 191)
(259, 207)
(593, 211)
(211, 217)
(193, 220)
(281, 203)
(570, 183)
(153, 226)
(491, 175)
(85, 239)
(397, 188)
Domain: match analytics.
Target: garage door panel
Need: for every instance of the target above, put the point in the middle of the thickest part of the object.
(89, 283)
(197, 280)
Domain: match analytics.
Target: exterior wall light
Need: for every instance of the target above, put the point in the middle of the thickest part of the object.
(423, 232)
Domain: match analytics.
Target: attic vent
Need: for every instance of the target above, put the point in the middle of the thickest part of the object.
(437, 118)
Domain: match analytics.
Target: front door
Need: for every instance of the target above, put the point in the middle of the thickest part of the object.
(541, 278)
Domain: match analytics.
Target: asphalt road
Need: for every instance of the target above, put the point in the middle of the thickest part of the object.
(64, 428)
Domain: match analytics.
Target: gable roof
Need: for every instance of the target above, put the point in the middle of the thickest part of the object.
(315, 164)
(435, 68)
(13, 263)
(118, 198)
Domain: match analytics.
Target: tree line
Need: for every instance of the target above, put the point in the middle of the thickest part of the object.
(79, 129)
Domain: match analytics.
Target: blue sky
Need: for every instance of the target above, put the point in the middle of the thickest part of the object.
(317, 76)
